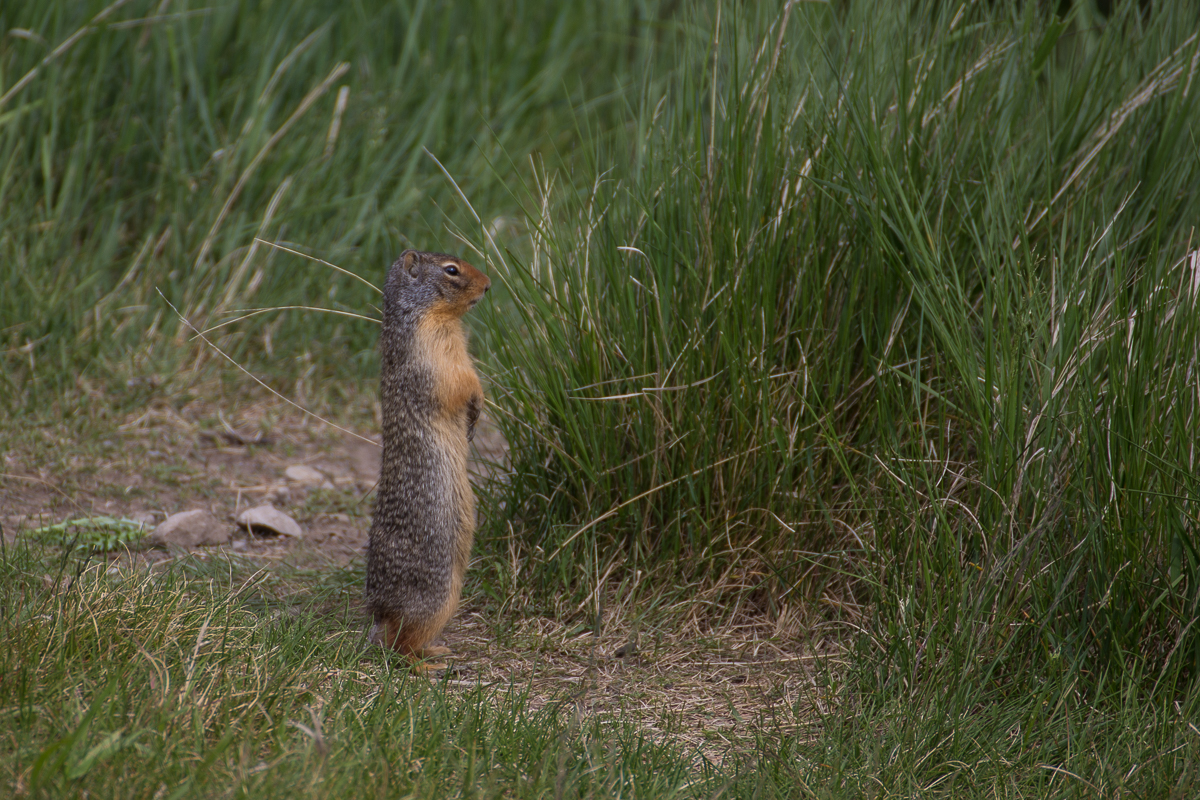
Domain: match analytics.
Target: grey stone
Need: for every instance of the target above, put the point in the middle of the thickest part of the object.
(190, 529)
(306, 476)
(272, 519)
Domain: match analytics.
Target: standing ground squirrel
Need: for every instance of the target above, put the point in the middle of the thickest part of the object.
(424, 521)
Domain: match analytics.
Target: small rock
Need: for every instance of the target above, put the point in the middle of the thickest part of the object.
(190, 529)
(272, 519)
(304, 475)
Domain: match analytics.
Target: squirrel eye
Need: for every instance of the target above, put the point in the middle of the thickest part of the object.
(451, 270)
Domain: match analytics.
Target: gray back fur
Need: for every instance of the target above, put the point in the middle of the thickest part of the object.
(415, 525)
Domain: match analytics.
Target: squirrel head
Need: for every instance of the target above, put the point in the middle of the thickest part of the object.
(434, 283)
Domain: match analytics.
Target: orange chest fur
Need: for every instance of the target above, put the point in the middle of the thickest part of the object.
(442, 346)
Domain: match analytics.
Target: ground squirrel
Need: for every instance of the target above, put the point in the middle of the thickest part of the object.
(424, 521)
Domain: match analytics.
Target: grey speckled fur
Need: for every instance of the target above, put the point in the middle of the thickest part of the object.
(420, 506)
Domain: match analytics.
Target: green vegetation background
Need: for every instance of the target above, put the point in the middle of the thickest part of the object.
(831, 306)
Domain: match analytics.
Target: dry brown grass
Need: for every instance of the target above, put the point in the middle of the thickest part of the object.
(715, 693)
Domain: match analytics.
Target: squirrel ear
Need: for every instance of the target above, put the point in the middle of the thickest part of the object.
(409, 259)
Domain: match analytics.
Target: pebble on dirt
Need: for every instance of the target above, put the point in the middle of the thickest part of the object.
(189, 529)
(307, 476)
(270, 518)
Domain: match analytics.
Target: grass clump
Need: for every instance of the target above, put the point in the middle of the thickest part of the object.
(911, 291)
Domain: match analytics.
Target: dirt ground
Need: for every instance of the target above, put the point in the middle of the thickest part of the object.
(163, 460)
(711, 690)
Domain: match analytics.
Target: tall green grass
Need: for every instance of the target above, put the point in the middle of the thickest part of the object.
(903, 293)
(146, 145)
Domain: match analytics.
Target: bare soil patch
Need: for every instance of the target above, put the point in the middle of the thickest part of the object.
(165, 460)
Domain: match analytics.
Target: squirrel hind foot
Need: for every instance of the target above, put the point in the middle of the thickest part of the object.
(411, 642)
(420, 662)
